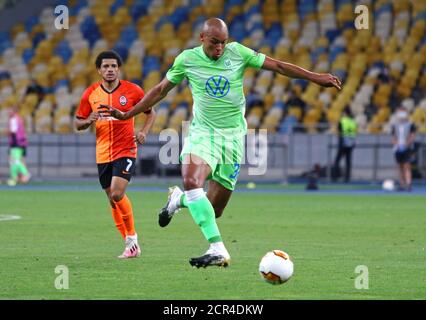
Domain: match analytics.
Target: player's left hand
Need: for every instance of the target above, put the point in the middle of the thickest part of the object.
(106, 110)
(328, 80)
(140, 137)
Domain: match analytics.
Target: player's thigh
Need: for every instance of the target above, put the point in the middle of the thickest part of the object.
(105, 175)
(122, 171)
(218, 196)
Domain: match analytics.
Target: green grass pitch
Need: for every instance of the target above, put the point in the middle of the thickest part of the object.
(327, 235)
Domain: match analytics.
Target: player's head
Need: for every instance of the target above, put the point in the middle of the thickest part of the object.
(13, 110)
(108, 64)
(214, 36)
(402, 114)
(347, 112)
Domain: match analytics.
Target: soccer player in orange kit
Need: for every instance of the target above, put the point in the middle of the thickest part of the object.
(116, 147)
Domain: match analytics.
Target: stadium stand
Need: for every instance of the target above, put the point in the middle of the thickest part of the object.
(382, 67)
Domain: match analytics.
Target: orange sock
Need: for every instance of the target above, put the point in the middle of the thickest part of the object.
(125, 207)
(119, 223)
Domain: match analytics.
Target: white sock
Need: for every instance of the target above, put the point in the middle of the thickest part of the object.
(134, 237)
(194, 195)
(220, 248)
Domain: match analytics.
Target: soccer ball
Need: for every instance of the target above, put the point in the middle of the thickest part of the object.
(276, 267)
(388, 185)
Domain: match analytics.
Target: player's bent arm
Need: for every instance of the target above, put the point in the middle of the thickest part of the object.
(411, 138)
(83, 124)
(294, 71)
(149, 121)
(156, 94)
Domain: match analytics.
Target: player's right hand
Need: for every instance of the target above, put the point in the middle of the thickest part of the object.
(93, 117)
(106, 110)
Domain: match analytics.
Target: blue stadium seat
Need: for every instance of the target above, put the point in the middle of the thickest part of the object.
(238, 29)
(183, 104)
(27, 55)
(288, 124)
(180, 15)
(150, 63)
(300, 82)
(139, 9)
(61, 83)
(63, 50)
(332, 34)
(90, 30)
(279, 104)
(334, 52)
(4, 41)
(306, 7)
(386, 7)
(256, 26)
(37, 38)
(136, 81)
(73, 11)
(161, 21)
(129, 34)
(115, 6)
(122, 48)
(4, 75)
(420, 16)
(317, 52)
(253, 10)
(30, 23)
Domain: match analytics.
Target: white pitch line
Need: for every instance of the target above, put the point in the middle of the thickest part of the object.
(8, 217)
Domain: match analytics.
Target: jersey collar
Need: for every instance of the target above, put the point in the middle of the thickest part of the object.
(110, 92)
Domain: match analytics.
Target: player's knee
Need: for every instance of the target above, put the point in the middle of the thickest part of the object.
(117, 195)
(190, 183)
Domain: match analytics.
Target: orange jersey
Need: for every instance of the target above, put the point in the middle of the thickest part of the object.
(114, 138)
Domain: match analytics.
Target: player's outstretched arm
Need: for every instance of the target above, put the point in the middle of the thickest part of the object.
(293, 71)
(153, 96)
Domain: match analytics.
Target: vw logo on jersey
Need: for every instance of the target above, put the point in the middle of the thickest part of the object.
(217, 86)
(123, 100)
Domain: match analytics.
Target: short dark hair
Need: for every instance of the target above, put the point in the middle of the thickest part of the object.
(348, 112)
(108, 55)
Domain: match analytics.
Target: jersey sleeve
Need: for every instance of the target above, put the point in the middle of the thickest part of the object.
(139, 93)
(251, 58)
(177, 72)
(84, 109)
